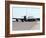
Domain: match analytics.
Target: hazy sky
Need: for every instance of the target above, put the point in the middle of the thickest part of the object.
(19, 12)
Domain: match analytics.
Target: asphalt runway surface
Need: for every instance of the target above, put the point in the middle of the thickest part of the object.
(18, 26)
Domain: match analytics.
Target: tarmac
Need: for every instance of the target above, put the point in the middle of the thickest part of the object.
(18, 26)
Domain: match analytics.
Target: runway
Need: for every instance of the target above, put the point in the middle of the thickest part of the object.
(17, 26)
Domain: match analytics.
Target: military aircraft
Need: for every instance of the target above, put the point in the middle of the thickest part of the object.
(25, 19)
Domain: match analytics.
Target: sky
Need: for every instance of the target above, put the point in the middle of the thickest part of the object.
(19, 12)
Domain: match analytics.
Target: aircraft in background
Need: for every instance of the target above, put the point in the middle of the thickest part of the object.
(26, 19)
